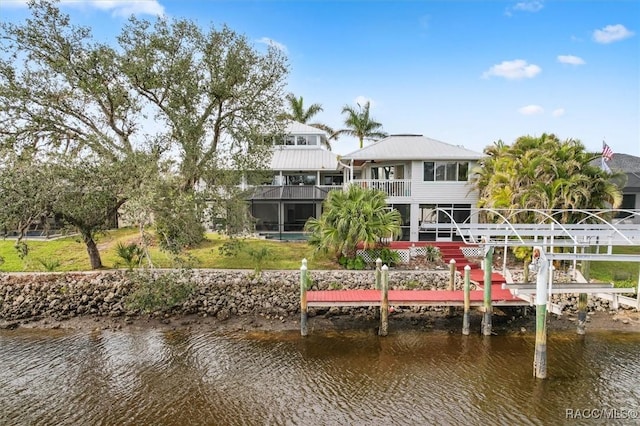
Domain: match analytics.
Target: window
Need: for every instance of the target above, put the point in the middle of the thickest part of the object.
(333, 180)
(429, 167)
(290, 140)
(446, 171)
(300, 179)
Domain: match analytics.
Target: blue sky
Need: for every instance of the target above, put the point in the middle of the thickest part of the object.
(463, 72)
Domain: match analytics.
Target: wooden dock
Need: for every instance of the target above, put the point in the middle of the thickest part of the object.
(358, 298)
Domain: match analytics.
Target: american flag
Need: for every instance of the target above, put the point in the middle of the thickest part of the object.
(607, 152)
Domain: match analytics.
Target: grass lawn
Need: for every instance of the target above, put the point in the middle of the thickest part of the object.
(72, 255)
(623, 274)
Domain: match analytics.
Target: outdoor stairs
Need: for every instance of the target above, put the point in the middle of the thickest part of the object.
(453, 250)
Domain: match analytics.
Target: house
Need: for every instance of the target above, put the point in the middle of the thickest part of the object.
(630, 165)
(302, 174)
(419, 175)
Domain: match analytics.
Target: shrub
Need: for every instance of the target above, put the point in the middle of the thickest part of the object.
(160, 291)
(131, 254)
(389, 257)
(49, 265)
(432, 253)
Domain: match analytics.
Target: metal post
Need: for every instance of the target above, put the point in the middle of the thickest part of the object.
(488, 308)
(384, 302)
(540, 356)
(377, 274)
(303, 298)
(452, 281)
(467, 300)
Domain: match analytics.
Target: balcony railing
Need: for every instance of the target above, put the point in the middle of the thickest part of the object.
(393, 188)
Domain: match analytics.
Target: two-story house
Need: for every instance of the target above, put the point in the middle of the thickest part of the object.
(419, 175)
(302, 174)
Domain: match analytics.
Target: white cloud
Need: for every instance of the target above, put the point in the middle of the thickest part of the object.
(513, 70)
(271, 42)
(532, 6)
(611, 33)
(362, 101)
(124, 8)
(531, 110)
(528, 6)
(571, 60)
(558, 112)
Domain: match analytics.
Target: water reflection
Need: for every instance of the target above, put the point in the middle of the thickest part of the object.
(351, 377)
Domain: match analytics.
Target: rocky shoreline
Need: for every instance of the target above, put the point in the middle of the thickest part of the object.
(239, 298)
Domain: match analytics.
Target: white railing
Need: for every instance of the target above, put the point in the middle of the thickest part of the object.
(393, 188)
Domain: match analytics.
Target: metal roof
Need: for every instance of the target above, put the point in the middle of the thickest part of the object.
(296, 128)
(304, 159)
(412, 147)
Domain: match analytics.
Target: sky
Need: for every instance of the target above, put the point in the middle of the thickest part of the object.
(467, 73)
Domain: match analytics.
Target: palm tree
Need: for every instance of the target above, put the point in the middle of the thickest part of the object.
(544, 173)
(297, 112)
(360, 124)
(350, 217)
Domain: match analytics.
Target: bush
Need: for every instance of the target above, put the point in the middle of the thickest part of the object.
(131, 254)
(159, 291)
(432, 253)
(356, 263)
(389, 257)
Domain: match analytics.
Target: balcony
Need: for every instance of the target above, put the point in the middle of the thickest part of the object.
(393, 188)
(293, 192)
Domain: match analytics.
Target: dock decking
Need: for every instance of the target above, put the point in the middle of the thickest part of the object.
(356, 298)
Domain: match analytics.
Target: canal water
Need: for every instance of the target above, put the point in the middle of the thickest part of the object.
(152, 377)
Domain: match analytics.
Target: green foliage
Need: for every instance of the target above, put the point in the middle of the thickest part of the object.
(413, 284)
(178, 218)
(360, 124)
(131, 254)
(523, 253)
(351, 217)
(49, 265)
(335, 285)
(389, 257)
(547, 174)
(232, 247)
(432, 253)
(358, 263)
(22, 249)
(259, 255)
(159, 291)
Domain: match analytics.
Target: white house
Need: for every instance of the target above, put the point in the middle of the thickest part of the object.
(418, 174)
(303, 173)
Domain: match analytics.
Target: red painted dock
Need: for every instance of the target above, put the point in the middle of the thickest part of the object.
(328, 298)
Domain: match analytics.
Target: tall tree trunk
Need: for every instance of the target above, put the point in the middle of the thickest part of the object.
(92, 250)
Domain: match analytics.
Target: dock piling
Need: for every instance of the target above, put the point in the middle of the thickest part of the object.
(452, 282)
(488, 307)
(542, 277)
(467, 300)
(582, 313)
(378, 273)
(303, 298)
(384, 302)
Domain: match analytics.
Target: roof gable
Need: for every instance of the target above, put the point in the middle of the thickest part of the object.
(412, 147)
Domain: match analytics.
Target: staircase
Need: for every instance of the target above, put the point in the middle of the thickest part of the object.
(453, 250)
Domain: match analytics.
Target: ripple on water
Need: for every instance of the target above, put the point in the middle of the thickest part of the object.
(353, 377)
